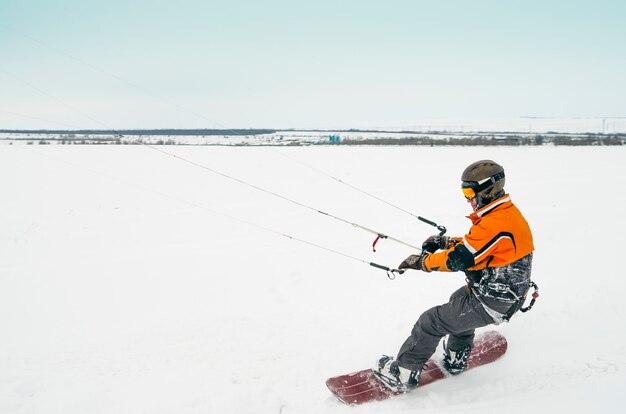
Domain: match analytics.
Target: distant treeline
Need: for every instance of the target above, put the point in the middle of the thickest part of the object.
(168, 137)
(571, 140)
(194, 132)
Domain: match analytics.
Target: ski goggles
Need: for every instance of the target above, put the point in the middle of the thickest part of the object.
(468, 189)
(471, 188)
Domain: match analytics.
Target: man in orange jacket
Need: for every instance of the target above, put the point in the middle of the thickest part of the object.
(496, 256)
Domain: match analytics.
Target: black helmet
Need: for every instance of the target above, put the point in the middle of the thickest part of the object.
(483, 179)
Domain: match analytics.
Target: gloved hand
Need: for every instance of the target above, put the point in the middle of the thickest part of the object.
(415, 261)
(434, 243)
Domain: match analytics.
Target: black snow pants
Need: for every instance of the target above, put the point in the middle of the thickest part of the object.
(457, 318)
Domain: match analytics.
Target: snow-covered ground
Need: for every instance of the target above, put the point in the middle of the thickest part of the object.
(134, 282)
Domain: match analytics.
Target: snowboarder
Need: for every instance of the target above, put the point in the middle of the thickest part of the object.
(496, 256)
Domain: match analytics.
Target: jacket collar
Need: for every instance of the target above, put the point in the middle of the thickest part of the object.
(476, 215)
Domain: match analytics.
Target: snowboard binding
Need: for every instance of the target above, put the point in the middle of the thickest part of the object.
(395, 377)
(455, 362)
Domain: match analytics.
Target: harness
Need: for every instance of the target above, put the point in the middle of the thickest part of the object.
(517, 303)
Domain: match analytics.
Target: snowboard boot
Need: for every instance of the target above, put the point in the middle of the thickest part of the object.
(394, 376)
(455, 362)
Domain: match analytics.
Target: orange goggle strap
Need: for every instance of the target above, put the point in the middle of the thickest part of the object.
(472, 188)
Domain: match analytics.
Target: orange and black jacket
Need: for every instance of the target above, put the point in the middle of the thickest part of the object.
(495, 245)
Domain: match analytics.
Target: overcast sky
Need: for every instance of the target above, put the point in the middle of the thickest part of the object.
(235, 63)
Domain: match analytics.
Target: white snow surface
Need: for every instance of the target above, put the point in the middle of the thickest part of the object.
(134, 282)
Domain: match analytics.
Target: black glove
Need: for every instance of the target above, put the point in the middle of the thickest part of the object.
(415, 261)
(434, 243)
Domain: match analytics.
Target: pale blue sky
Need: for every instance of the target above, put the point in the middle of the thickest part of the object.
(217, 64)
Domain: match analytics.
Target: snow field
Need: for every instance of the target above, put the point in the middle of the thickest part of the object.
(127, 286)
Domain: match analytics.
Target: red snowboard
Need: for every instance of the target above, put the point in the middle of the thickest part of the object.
(363, 386)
